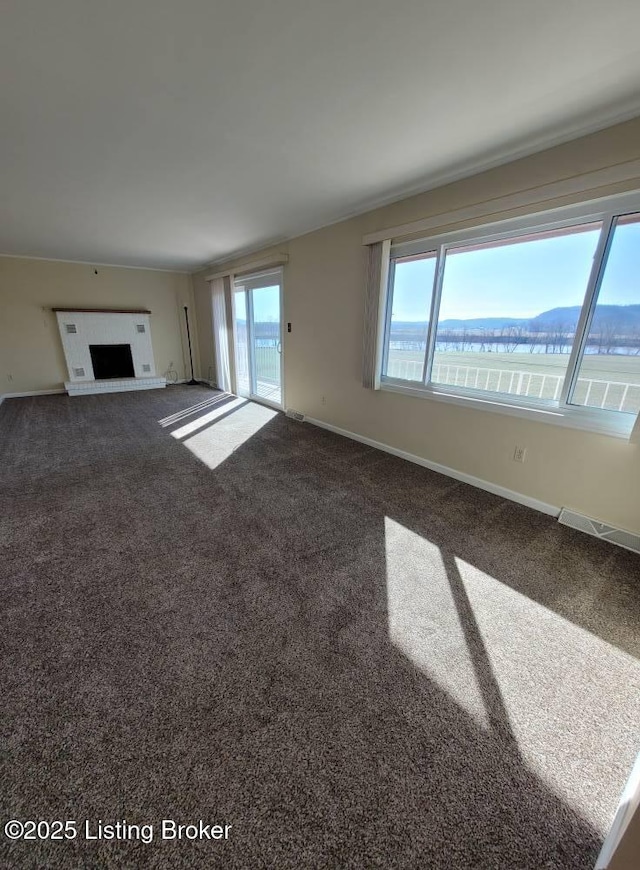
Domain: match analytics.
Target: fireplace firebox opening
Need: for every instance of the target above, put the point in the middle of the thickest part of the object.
(111, 361)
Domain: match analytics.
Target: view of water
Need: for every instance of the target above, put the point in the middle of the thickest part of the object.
(493, 347)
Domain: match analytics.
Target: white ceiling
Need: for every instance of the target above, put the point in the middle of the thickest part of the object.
(172, 133)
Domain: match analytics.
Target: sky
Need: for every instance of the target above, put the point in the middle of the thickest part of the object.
(521, 280)
(266, 305)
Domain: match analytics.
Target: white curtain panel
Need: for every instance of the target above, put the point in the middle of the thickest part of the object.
(377, 270)
(221, 334)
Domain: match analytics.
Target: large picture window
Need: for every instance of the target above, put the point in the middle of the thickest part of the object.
(545, 315)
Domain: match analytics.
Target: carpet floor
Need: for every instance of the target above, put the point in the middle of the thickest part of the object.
(212, 612)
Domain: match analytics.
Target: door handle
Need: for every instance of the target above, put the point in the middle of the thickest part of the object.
(279, 347)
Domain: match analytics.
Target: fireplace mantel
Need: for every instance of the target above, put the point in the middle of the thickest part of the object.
(103, 310)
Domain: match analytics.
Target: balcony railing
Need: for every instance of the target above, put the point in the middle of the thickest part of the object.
(594, 392)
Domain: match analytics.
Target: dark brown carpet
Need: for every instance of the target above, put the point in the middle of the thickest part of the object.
(355, 662)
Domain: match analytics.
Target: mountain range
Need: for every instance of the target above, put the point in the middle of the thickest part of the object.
(625, 317)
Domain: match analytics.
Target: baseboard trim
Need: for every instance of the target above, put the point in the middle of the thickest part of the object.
(31, 393)
(25, 395)
(494, 488)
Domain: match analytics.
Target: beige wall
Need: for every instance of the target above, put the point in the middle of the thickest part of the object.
(204, 314)
(31, 356)
(324, 291)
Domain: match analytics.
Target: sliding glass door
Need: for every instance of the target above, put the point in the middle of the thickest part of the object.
(258, 336)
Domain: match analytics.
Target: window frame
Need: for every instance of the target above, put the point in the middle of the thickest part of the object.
(561, 411)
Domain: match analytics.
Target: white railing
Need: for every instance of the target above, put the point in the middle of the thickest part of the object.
(267, 363)
(613, 395)
(594, 392)
(518, 383)
(267, 372)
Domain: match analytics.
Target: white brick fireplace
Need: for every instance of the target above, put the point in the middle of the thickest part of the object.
(107, 350)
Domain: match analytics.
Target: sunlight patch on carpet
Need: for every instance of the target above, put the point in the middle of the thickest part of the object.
(564, 700)
(206, 419)
(423, 620)
(218, 440)
(198, 408)
(552, 672)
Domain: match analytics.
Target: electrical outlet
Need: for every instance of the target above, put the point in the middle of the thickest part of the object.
(519, 454)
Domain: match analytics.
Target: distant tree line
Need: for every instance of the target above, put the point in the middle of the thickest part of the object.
(265, 331)
(550, 338)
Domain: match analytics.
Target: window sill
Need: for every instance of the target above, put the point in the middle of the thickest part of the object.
(600, 422)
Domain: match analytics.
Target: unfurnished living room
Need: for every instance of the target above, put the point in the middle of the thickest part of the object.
(320, 434)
